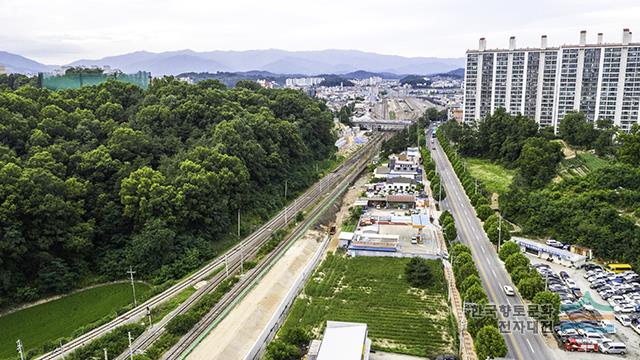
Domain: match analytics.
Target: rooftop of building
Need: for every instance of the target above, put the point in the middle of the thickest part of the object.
(625, 42)
(343, 340)
(401, 180)
(532, 244)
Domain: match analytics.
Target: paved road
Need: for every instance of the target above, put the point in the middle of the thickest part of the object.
(527, 345)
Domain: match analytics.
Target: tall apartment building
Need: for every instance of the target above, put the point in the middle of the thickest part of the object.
(601, 80)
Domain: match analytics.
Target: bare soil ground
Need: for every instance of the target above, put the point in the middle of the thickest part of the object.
(235, 335)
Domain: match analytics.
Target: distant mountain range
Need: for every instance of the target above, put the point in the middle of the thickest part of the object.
(273, 61)
(20, 64)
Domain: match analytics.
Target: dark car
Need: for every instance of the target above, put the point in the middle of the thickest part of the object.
(589, 267)
(447, 357)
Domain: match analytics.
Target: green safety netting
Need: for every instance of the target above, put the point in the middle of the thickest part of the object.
(74, 81)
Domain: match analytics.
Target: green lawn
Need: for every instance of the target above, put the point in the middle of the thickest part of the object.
(495, 178)
(60, 318)
(373, 290)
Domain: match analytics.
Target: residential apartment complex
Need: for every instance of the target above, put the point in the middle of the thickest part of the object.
(601, 80)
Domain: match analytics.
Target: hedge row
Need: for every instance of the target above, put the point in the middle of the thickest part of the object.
(483, 326)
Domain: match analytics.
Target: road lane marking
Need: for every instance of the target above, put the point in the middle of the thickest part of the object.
(482, 247)
(494, 273)
(530, 347)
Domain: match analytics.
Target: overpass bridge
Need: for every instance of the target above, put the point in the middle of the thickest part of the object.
(382, 124)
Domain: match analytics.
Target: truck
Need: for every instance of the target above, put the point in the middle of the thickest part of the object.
(582, 345)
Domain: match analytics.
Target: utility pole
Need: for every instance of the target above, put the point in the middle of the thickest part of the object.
(62, 349)
(476, 186)
(546, 281)
(20, 349)
(226, 266)
(106, 357)
(149, 315)
(238, 223)
(440, 190)
(285, 202)
(130, 349)
(241, 260)
(133, 286)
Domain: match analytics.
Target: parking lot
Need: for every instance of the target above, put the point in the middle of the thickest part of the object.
(586, 317)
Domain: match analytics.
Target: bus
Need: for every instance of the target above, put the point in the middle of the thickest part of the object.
(619, 268)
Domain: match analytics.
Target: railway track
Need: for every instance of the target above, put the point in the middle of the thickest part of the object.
(253, 241)
(188, 341)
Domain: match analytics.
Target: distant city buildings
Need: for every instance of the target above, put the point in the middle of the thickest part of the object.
(3, 70)
(267, 83)
(602, 80)
(303, 82)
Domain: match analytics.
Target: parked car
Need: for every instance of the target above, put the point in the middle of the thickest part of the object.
(591, 267)
(613, 348)
(626, 309)
(554, 243)
(593, 336)
(623, 319)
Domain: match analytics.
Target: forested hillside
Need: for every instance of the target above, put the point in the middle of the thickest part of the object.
(96, 179)
(600, 210)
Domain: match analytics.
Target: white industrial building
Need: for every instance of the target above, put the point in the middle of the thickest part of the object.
(342, 341)
(602, 80)
(563, 257)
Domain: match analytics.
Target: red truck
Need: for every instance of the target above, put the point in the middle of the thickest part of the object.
(583, 345)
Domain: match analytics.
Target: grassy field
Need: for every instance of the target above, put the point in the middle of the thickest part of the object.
(373, 290)
(60, 318)
(495, 178)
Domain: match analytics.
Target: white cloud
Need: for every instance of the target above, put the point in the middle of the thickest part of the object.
(60, 31)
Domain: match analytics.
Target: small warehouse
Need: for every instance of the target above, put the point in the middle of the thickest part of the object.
(560, 256)
(342, 341)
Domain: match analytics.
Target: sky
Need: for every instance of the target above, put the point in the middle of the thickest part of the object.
(61, 31)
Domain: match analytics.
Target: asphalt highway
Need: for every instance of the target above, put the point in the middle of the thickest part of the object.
(526, 345)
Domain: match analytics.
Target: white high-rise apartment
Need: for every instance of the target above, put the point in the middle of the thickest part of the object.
(601, 80)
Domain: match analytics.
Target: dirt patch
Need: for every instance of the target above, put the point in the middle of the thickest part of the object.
(235, 335)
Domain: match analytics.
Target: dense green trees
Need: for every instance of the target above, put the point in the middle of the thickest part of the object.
(629, 149)
(548, 309)
(289, 345)
(591, 211)
(489, 343)
(507, 249)
(98, 178)
(345, 113)
(419, 273)
(576, 130)
(537, 162)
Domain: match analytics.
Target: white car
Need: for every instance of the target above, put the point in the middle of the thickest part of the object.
(625, 320)
(572, 284)
(508, 290)
(627, 309)
(613, 348)
(593, 336)
(554, 243)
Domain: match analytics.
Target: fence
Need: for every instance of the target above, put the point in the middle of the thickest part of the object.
(78, 80)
